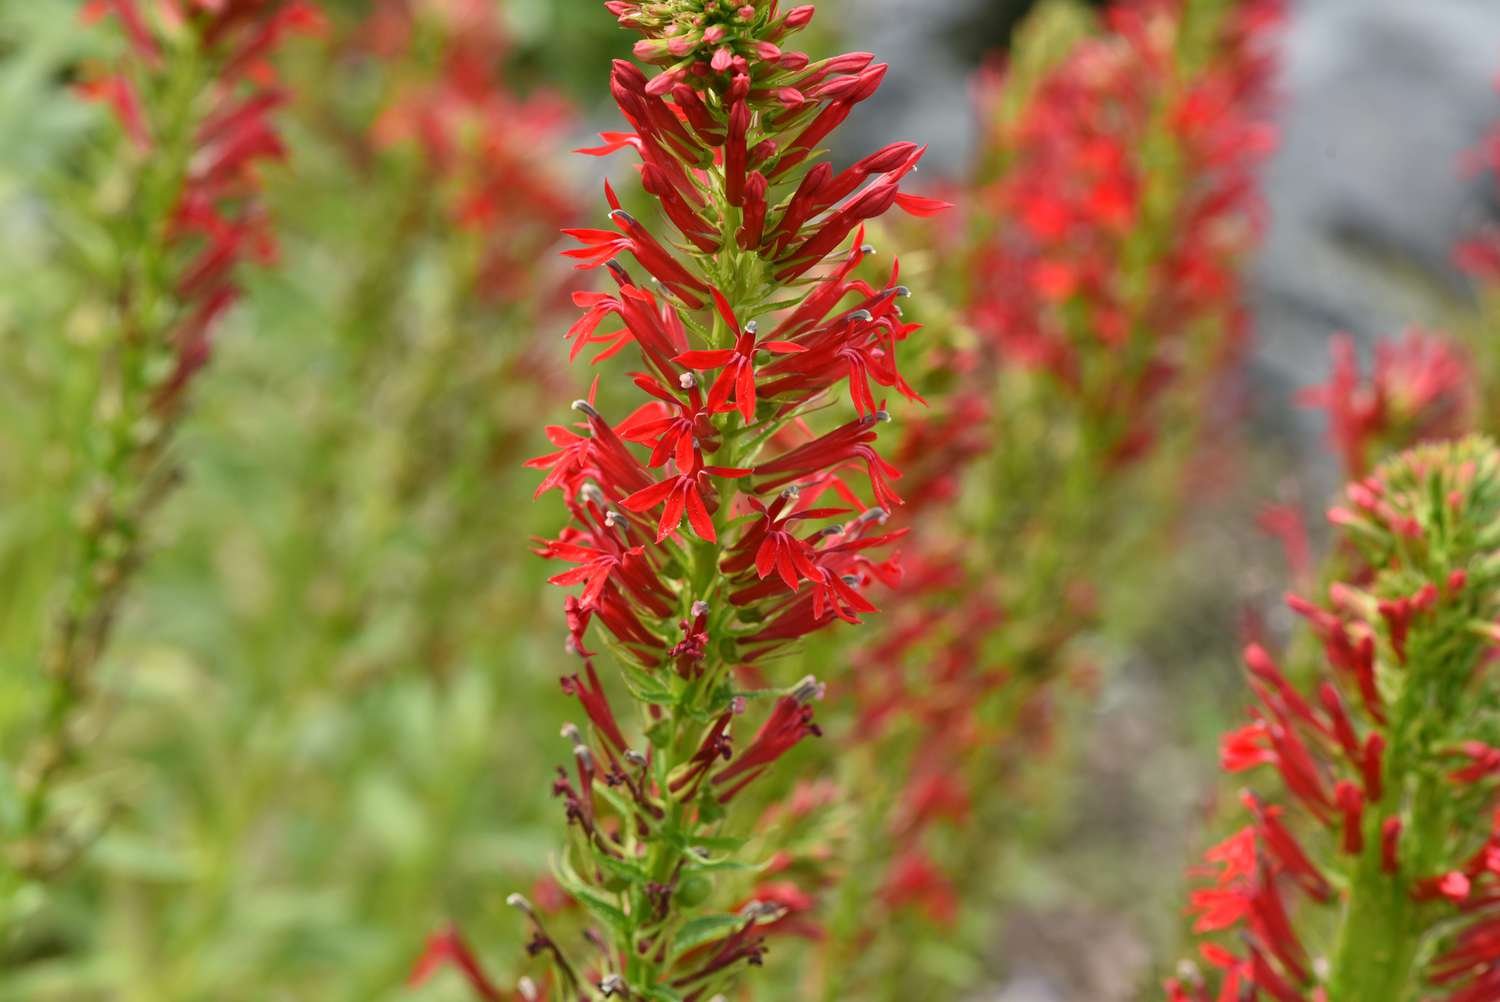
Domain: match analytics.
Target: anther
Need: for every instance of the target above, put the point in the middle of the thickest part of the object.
(622, 214)
(519, 903)
(808, 690)
(700, 608)
(583, 406)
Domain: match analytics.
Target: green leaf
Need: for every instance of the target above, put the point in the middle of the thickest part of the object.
(696, 932)
(596, 902)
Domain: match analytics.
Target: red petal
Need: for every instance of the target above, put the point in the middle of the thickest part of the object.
(650, 497)
(722, 305)
(671, 516)
(698, 515)
(704, 359)
(917, 205)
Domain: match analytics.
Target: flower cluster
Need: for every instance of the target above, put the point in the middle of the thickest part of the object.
(198, 96)
(477, 137)
(1371, 873)
(1116, 202)
(195, 97)
(1127, 196)
(1419, 389)
(729, 514)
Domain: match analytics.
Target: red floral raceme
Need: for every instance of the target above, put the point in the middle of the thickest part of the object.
(217, 221)
(731, 509)
(1059, 287)
(478, 138)
(1384, 786)
(1124, 344)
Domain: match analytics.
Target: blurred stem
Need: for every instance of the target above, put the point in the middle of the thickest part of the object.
(130, 480)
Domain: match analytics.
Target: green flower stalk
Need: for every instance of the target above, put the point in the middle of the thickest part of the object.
(1372, 872)
(735, 510)
(195, 109)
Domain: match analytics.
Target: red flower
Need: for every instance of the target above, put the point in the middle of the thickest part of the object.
(1419, 390)
(448, 947)
(913, 880)
(737, 380)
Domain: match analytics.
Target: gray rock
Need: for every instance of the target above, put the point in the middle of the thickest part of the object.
(1379, 99)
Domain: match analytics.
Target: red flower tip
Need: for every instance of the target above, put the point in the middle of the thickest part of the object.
(448, 947)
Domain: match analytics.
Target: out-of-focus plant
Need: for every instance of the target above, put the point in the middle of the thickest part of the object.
(1098, 272)
(342, 578)
(1419, 389)
(1368, 873)
(168, 208)
(705, 526)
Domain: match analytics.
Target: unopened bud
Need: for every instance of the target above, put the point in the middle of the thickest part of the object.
(798, 17)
